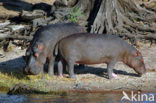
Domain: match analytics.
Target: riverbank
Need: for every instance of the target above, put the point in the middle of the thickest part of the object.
(92, 78)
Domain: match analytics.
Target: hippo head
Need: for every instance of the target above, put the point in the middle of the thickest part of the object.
(135, 61)
(35, 60)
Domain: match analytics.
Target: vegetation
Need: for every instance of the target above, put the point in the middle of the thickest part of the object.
(37, 82)
(9, 81)
(74, 15)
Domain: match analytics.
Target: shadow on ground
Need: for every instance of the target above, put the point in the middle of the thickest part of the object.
(16, 5)
(20, 5)
(13, 67)
(102, 72)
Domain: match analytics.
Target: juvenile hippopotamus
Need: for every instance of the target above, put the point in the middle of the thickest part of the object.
(85, 48)
(42, 46)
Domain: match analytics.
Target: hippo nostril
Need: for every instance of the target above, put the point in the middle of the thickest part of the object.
(25, 72)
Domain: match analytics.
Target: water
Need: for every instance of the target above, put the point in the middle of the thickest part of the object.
(72, 98)
(107, 97)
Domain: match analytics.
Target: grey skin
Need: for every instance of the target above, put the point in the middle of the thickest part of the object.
(42, 46)
(85, 48)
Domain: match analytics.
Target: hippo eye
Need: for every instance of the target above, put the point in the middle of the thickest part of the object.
(138, 54)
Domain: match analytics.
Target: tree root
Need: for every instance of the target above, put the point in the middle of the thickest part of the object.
(125, 17)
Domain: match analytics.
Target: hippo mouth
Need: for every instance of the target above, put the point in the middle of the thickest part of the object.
(27, 71)
(139, 74)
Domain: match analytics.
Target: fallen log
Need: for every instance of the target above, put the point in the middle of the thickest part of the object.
(17, 37)
(2, 25)
(31, 15)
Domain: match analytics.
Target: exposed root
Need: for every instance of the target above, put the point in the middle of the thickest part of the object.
(125, 17)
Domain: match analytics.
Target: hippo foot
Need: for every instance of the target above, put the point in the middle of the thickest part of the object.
(60, 76)
(73, 77)
(51, 74)
(43, 77)
(113, 75)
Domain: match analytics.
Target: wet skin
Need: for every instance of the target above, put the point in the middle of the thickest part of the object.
(85, 48)
(42, 46)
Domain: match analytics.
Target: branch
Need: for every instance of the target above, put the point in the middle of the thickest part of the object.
(2, 25)
(18, 37)
(150, 36)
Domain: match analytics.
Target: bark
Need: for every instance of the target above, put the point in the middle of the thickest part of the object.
(124, 17)
(121, 17)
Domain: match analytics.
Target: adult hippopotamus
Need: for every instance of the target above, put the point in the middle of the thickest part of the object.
(86, 48)
(43, 43)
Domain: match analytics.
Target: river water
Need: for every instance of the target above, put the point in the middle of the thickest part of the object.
(72, 98)
(108, 97)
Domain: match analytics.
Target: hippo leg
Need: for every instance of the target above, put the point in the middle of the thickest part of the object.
(51, 66)
(65, 66)
(70, 67)
(43, 76)
(60, 69)
(110, 69)
(114, 75)
(67, 69)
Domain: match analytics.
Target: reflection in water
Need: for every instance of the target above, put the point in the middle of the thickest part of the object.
(4, 98)
(71, 98)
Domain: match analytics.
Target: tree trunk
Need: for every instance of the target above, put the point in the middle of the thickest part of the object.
(126, 18)
(123, 17)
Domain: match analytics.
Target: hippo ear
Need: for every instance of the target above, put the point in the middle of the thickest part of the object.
(138, 53)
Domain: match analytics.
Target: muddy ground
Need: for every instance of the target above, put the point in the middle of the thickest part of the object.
(92, 77)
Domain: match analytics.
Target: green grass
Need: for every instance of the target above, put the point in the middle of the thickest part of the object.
(36, 83)
(9, 80)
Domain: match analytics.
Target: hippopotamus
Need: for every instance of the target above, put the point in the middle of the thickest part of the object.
(87, 48)
(43, 43)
